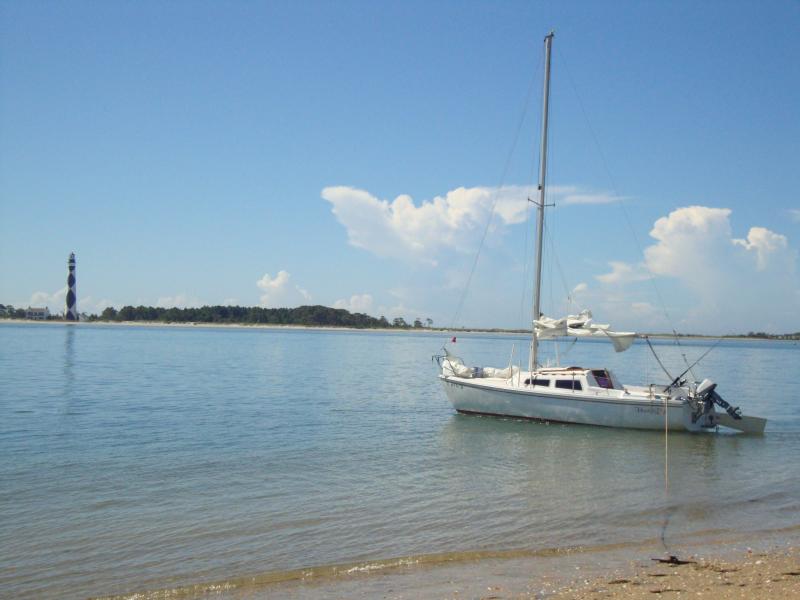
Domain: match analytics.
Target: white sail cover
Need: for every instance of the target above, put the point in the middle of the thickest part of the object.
(581, 326)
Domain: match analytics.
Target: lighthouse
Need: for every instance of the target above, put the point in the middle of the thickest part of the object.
(72, 299)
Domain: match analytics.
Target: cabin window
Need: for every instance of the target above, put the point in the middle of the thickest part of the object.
(603, 379)
(568, 384)
(542, 382)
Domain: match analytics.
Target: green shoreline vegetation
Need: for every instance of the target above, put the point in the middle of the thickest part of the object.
(307, 316)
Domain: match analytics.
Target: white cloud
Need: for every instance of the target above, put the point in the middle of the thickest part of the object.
(690, 239)
(402, 229)
(764, 243)
(622, 272)
(698, 239)
(724, 279)
(399, 310)
(642, 308)
(576, 197)
(178, 301)
(794, 213)
(278, 293)
(91, 307)
(358, 303)
(273, 288)
(55, 302)
(581, 287)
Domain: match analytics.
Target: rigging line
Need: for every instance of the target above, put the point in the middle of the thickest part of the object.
(678, 378)
(658, 360)
(563, 277)
(525, 267)
(614, 187)
(506, 169)
(683, 355)
(570, 347)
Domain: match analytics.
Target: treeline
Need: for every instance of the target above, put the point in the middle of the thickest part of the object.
(311, 316)
(771, 336)
(9, 312)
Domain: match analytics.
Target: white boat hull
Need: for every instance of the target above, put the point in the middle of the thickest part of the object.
(500, 398)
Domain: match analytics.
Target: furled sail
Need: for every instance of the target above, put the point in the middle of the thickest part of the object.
(582, 326)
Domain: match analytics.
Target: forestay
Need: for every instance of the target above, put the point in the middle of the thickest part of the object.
(582, 326)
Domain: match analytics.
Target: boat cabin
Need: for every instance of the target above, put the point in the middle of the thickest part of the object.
(574, 379)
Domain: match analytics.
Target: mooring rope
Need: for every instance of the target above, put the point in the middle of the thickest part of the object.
(666, 473)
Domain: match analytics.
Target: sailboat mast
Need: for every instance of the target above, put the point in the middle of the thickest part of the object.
(548, 42)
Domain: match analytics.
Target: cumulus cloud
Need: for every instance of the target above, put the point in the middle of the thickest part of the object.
(402, 229)
(178, 301)
(55, 302)
(91, 306)
(642, 308)
(690, 240)
(695, 244)
(622, 272)
(399, 310)
(358, 303)
(277, 292)
(723, 275)
(698, 239)
(581, 287)
(764, 243)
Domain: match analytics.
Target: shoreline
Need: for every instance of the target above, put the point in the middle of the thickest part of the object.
(756, 564)
(329, 328)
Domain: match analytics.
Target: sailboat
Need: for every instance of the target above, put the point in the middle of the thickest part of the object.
(589, 396)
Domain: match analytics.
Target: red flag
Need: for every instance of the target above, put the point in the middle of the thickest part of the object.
(453, 340)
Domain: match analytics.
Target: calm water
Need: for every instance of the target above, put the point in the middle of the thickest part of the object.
(148, 458)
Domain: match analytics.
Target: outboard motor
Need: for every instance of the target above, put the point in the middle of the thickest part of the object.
(705, 387)
(706, 392)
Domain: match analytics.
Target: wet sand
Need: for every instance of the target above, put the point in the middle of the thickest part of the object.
(714, 568)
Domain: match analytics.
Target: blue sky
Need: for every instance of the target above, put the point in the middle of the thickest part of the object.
(254, 152)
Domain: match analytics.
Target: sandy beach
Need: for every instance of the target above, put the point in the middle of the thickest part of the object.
(443, 331)
(755, 565)
(773, 573)
(752, 575)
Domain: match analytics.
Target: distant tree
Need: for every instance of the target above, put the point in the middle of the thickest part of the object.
(399, 322)
(418, 323)
(302, 315)
(126, 313)
(429, 322)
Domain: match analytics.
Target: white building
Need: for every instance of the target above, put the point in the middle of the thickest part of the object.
(37, 314)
